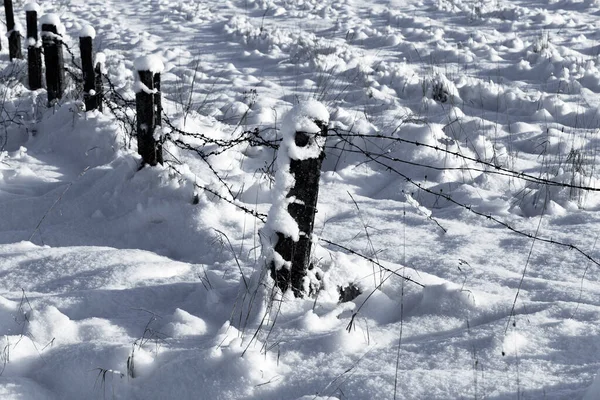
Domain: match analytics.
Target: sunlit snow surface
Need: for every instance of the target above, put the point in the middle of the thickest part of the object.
(138, 284)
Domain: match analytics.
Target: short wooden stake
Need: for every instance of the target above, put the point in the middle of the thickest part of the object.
(98, 87)
(158, 114)
(91, 97)
(297, 254)
(53, 57)
(148, 108)
(34, 49)
(14, 36)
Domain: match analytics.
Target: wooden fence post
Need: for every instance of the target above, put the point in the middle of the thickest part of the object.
(52, 31)
(98, 71)
(148, 107)
(304, 150)
(34, 47)
(158, 114)
(13, 33)
(90, 97)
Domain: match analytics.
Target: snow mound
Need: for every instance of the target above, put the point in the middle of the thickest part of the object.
(185, 324)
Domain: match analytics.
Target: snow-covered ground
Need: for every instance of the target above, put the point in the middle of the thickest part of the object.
(123, 283)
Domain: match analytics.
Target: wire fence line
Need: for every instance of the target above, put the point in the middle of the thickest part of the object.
(340, 140)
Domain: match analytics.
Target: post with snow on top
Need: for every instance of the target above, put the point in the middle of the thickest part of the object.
(34, 47)
(148, 108)
(291, 217)
(99, 69)
(13, 32)
(91, 98)
(52, 31)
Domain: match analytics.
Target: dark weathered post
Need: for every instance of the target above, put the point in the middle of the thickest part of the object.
(34, 47)
(98, 71)
(13, 32)
(52, 31)
(158, 114)
(299, 161)
(148, 107)
(90, 97)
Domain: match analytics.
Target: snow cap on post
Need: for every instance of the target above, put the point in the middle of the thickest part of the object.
(100, 60)
(150, 63)
(53, 19)
(33, 6)
(17, 28)
(87, 31)
(302, 119)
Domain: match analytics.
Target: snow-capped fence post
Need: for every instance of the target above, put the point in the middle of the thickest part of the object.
(90, 96)
(158, 113)
(292, 215)
(13, 32)
(148, 107)
(98, 70)
(34, 49)
(52, 31)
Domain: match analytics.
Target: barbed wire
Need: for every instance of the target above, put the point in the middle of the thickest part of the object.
(260, 216)
(252, 137)
(376, 157)
(370, 259)
(471, 209)
(68, 48)
(118, 105)
(67, 69)
(256, 139)
(494, 168)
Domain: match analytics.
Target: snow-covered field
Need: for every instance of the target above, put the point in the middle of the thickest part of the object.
(464, 137)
